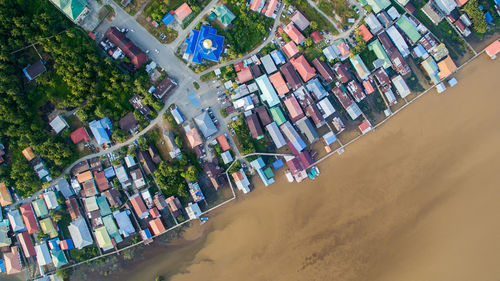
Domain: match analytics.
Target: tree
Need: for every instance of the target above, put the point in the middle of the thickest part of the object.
(308, 42)
(178, 141)
(143, 143)
(64, 273)
(360, 43)
(476, 16)
(56, 216)
(313, 25)
(191, 173)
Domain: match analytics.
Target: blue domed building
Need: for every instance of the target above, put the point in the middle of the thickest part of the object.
(204, 44)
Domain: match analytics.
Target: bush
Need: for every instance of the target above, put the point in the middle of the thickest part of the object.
(223, 112)
(476, 16)
(196, 85)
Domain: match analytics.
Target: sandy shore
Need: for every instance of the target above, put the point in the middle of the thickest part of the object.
(415, 200)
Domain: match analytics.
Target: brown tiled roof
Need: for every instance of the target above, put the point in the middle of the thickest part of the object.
(291, 76)
(254, 126)
(73, 209)
(324, 70)
(128, 122)
(263, 115)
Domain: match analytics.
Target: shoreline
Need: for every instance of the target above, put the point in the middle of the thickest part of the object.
(258, 185)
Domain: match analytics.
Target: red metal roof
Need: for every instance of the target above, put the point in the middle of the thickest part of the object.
(367, 35)
(244, 75)
(254, 126)
(255, 5)
(279, 83)
(79, 134)
(294, 33)
(138, 205)
(294, 109)
(154, 212)
(26, 244)
(342, 73)
(290, 49)
(264, 117)
(342, 97)
(493, 48)
(29, 218)
(271, 7)
(302, 66)
(316, 36)
(238, 66)
(324, 69)
(101, 181)
(365, 127)
(183, 11)
(291, 76)
(368, 87)
(223, 142)
(157, 226)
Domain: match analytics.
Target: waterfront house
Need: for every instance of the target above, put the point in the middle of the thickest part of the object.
(214, 174)
(29, 218)
(446, 67)
(292, 136)
(400, 85)
(124, 223)
(241, 181)
(195, 191)
(430, 66)
(103, 239)
(139, 206)
(111, 228)
(325, 107)
(258, 164)
(276, 135)
(306, 128)
(157, 226)
(346, 102)
(193, 211)
(493, 49)
(174, 205)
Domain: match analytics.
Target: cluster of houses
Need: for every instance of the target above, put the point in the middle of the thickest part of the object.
(266, 7)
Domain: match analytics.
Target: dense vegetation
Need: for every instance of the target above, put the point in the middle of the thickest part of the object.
(242, 132)
(476, 16)
(76, 76)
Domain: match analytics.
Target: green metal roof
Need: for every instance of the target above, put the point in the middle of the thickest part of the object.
(224, 15)
(72, 8)
(379, 51)
(102, 237)
(431, 68)
(277, 115)
(58, 258)
(40, 208)
(408, 28)
(111, 228)
(269, 173)
(104, 208)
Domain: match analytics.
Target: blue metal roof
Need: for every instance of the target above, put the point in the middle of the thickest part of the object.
(109, 172)
(278, 164)
(2, 266)
(278, 57)
(197, 49)
(167, 19)
(176, 113)
(101, 129)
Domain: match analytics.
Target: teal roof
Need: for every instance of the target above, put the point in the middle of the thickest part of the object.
(360, 67)
(224, 15)
(72, 8)
(268, 94)
(40, 208)
(432, 69)
(111, 228)
(408, 28)
(379, 51)
(278, 115)
(378, 5)
(104, 208)
(269, 173)
(58, 258)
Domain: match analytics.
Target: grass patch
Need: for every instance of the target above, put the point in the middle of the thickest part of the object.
(133, 7)
(207, 76)
(312, 14)
(337, 7)
(169, 34)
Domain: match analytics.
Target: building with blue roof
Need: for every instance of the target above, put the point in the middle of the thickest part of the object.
(101, 129)
(168, 19)
(109, 172)
(278, 57)
(204, 44)
(268, 94)
(258, 164)
(2, 266)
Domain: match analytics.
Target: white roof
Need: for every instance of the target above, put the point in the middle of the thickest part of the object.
(398, 40)
(124, 223)
(353, 111)
(58, 124)
(193, 211)
(268, 63)
(393, 13)
(246, 103)
(326, 106)
(253, 87)
(446, 6)
(130, 161)
(90, 203)
(401, 86)
(228, 85)
(121, 174)
(373, 23)
(42, 254)
(16, 221)
(331, 52)
(440, 87)
(244, 184)
(217, 72)
(276, 135)
(391, 99)
(268, 93)
(226, 157)
(80, 234)
(50, 199)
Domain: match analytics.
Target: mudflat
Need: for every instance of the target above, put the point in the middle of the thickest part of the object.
(418, 199)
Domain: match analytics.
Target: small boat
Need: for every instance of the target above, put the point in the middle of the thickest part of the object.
(311, 175)
(315, 169)
(203, 221)
(289, 176)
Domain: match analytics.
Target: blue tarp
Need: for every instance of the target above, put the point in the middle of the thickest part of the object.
(70, 244)
(278, 164)
(54, 244)
(488, 17)
(278, 57)
(167, 19)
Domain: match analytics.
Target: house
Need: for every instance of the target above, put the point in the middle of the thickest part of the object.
(316, 36)
(58, 258)
(222, 140)
(194, 138)
(343, 48)
(356, 91)
(138, 179)
(205, 124)
(103, 205)
(204, 44)
(5, 241)
(163, 89)
(277, 115)
(401, 86)
(303, 67)
(12, 261)
(315, 87)
(379, 51)
(244, 75)
(254, 126)
(5, 198)
(365, 33)
(102, 238)
(29, 218)
(373, 23)
(182, 12)
(139, 207)
(291, 76)
(313, 112)
(256, 5)
(331, 52)
(47, 226)
(89, 189)
(113, 197)
(365, 127)
(122, 176)
(279, 83)
(33, 71)
(378, 5)
(58, 124)
(195, 191)
(224, 15)
(292, 136)
(157, 226)
(432, 12)
(90, 204)
(214, 173)
(26, 244)
(276, 135)
(73, 208)
(271, 7)
(294, 110)
(40, 208)
(101, 129)
(112, 228)
(51, 200)
(409, 28)
(42, 254)
(255, 69)
(75, 10)
(28, 153)
(324, 70)
(16, 221)
(360, 67)
(430, 66)
(263, 115)
(462, 28)
(137, 104)
(341, 72)
(79, 135)
(346, 102)
(193, 211)
(382, 77)
(267, 178)
(491, 50)
(268, 64)
(398, 41)
(124, 223)
(367, 85)
(85, 176)
(137, 57)
(446, 6)
(294, 33)
(174, 205)
(268, 94)
(299, 20)
(128, 123)
(241, 181)
(290, 49)
(446, 67)
(226, 157)
(306, 128)
(64, 188)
